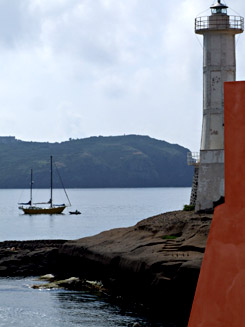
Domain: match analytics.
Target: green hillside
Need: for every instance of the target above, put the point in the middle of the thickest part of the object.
(116, 161)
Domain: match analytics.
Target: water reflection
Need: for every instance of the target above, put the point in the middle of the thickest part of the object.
(22, 306)
(90, 310)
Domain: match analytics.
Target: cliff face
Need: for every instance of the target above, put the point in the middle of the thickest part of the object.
(155, 262)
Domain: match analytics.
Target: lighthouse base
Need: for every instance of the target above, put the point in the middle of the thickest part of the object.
(210, 180)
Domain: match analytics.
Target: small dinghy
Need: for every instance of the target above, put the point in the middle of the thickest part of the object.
(75, 212)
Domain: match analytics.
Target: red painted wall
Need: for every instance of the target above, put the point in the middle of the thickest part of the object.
(220, 295)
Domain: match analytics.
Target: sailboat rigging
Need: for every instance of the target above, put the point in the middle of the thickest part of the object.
(30, 208)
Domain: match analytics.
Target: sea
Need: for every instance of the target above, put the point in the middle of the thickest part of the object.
(101, 209)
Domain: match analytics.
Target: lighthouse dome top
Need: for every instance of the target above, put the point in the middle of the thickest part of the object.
(219, 8)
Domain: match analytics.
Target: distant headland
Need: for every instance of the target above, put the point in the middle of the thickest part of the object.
(95, 162)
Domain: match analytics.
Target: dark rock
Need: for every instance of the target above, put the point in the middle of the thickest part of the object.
(147, 261)
(28, 258)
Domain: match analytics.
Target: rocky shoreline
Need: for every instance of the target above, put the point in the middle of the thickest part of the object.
(156, 262)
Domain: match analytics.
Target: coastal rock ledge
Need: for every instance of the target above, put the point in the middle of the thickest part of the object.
(156, 262)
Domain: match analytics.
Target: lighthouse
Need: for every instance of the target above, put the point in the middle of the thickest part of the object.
(219, 65)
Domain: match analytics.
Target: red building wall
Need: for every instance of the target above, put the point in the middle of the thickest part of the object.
(220, 295)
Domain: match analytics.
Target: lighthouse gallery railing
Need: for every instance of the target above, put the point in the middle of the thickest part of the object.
(219, 22)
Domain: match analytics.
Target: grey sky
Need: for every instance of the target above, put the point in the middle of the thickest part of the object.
(79, 68)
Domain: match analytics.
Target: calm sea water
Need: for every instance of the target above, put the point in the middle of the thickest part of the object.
(101, 209)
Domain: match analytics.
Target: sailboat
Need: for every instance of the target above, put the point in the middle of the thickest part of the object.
(31, 208)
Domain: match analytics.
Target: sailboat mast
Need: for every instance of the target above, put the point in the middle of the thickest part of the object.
(51, 181)
(31, 189)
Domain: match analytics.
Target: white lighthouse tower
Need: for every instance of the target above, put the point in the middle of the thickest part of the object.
(219, 65)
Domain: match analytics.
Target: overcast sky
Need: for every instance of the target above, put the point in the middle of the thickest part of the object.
(80, 68)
